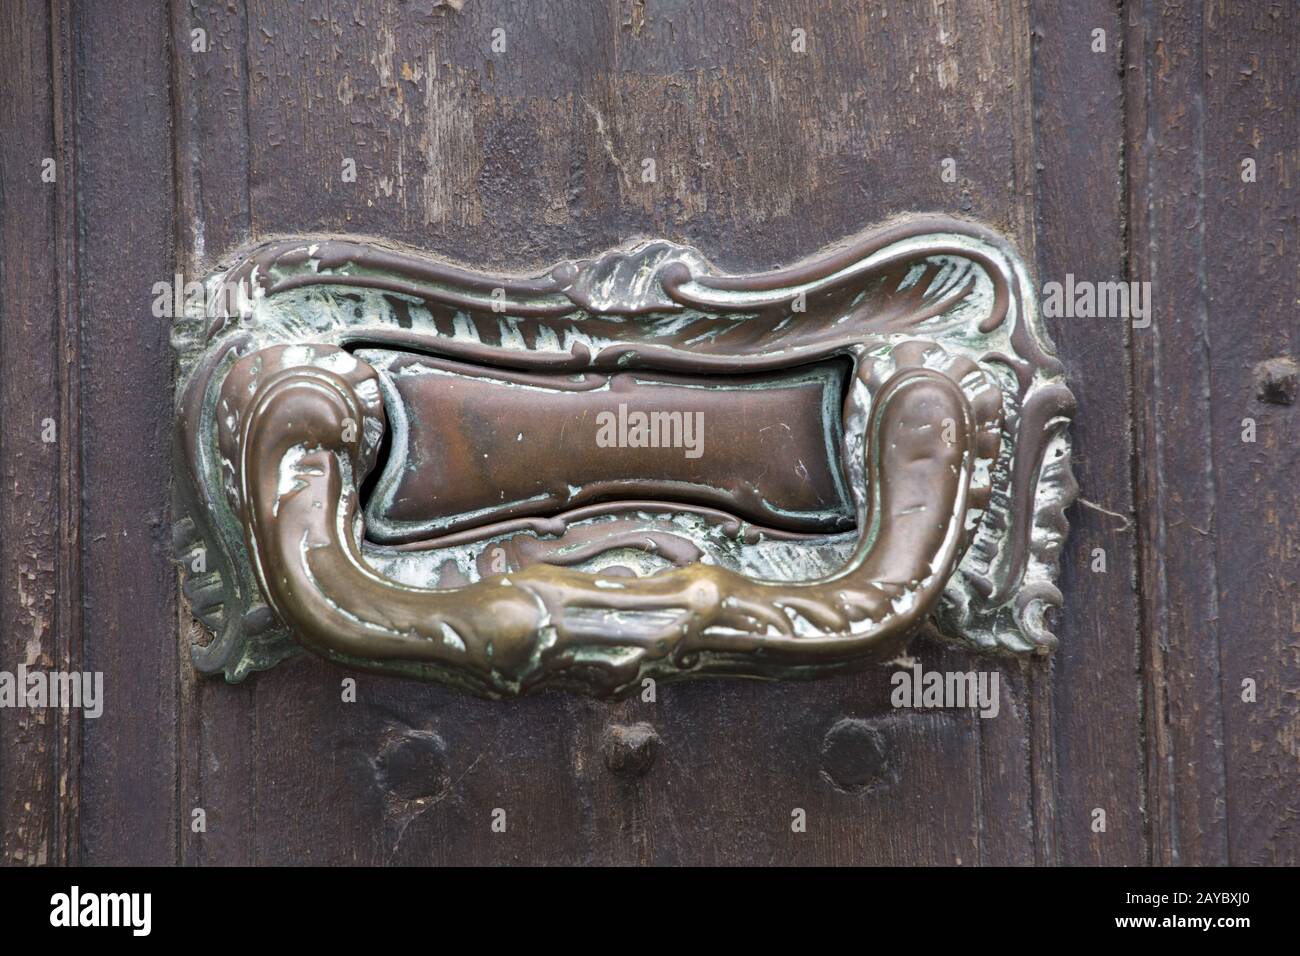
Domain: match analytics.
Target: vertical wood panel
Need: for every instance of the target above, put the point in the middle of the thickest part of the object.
(513, 160)
(1172, 394)
(1210, 85)
(70, 631)
(210, 128)
(1098, 758)
(29, 405)
(1251, 265)
(124, 176)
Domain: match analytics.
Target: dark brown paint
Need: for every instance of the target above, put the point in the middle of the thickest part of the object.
(1100, 164)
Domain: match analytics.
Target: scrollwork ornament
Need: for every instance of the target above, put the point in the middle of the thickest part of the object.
(946, 426)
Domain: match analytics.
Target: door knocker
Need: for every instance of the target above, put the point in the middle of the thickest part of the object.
(633, 465)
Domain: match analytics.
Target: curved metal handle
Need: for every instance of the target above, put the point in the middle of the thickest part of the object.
(952, 449)
(302, 438)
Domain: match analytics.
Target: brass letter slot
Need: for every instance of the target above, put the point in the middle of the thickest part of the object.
(629, 466)
(475, 445)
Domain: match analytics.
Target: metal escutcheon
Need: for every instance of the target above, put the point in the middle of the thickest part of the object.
(630, 466)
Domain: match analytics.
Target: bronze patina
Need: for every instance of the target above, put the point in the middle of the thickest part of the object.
(629, 466)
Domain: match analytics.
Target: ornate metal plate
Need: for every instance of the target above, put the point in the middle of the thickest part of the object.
(633, 465)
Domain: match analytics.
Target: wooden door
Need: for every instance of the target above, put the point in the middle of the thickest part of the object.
(1107, 141)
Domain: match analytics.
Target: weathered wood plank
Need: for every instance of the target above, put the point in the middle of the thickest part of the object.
(736, 762)
(1250, 239)
(124, 175)
(517, 158)
(1098, 761)
(1210, 86)
(69, 629)
(210, 129)
(1173, 432)
(30, 439)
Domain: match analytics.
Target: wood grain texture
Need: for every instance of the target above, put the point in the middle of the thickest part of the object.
(210, 128)
(1182, 648)
(1105, 165)
(513, 159)
(29, 415)
(1079, 136)
(124, 164)
(1252, 290)
(1216, 84)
